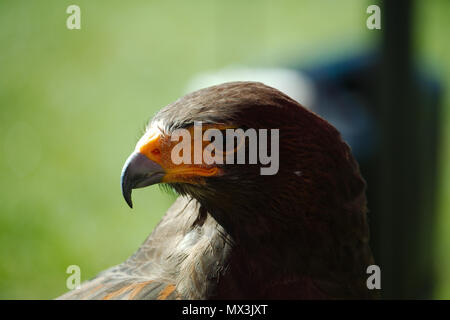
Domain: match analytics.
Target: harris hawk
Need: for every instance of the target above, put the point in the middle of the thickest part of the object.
(234, 233)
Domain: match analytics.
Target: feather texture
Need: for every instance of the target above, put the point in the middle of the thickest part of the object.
(299, 234)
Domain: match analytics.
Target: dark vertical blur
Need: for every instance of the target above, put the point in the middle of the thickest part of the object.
(404, 206)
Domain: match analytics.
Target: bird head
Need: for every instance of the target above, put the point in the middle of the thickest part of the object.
(312, 168)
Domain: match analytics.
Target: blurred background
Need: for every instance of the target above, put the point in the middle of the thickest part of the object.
(74, 102)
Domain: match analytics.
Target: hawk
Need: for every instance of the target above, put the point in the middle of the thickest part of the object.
(234, 233)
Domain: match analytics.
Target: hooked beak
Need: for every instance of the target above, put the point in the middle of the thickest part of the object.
(139, 172)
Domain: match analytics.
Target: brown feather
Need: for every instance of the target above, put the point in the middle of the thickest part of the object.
(243, 235)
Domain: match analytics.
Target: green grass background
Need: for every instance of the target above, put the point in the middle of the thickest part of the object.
(74, 102)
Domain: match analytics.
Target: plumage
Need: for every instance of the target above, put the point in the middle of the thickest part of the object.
(299, 234)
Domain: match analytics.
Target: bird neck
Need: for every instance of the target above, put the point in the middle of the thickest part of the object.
(258, 236)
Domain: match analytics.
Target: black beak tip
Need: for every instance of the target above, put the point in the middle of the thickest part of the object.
(128, 200)
(126, 189)
(127, 196)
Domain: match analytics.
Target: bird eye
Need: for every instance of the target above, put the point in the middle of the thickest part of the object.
(156, 152)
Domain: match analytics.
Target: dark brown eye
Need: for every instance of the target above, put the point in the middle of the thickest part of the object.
(156, 152)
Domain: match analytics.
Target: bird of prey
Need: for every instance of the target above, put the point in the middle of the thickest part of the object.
(234, 233)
